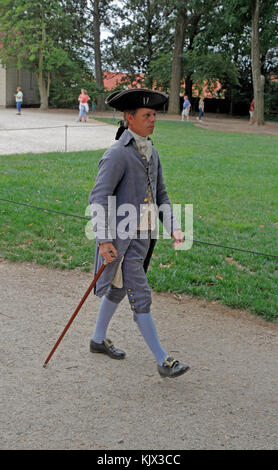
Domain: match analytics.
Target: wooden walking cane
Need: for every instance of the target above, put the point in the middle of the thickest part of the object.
(75, 313)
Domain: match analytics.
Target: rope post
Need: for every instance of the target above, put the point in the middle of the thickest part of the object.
(66, 137)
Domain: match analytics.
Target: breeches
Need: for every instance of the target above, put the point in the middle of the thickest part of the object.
(135, 284)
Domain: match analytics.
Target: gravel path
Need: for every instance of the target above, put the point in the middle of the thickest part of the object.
(37, 132)
(228, 400)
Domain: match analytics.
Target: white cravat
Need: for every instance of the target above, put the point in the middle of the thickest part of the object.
(144, 144)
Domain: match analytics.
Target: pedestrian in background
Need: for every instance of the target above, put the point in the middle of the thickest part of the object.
(83, 105)
(251, 111)
(18, 99)
(186, 109)
(201, 109)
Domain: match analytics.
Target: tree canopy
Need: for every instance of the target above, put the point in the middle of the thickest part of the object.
(40, 36)
(169, 42)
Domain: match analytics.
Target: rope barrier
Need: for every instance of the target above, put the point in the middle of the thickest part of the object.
(88, 218)
(64, 126)
(45, 210)
(237, 249)
(31, 128)
(53, 127)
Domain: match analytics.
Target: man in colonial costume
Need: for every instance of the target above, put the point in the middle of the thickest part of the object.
(130, 175)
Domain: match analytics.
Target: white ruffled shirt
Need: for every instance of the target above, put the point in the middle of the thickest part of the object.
(144, 144)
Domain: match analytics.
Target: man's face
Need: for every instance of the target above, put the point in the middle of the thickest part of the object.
(142, 123)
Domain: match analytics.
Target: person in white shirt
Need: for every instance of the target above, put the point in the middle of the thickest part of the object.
(18, 99)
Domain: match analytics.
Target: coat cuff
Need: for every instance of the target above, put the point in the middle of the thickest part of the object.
(103, 240)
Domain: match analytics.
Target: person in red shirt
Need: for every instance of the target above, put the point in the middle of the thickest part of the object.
(251, 111)
(83, 105)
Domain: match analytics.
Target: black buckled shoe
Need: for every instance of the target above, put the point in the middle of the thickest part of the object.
(107, 347)
(172, 368)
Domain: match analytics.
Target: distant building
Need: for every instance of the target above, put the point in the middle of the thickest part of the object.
(10, 79)
(113, 80)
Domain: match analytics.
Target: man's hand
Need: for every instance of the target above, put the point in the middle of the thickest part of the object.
(178, 237)
(108, 251)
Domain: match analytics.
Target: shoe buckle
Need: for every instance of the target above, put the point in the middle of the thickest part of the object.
(108, 342)
(169, 361)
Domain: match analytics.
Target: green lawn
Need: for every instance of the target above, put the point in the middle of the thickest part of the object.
(230, 178)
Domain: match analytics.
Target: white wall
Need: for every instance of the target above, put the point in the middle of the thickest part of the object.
(2, 86)
(10, 79)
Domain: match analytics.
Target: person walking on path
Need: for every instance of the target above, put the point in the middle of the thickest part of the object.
(130, 173)
(251, 111)
(186, 109)
(201, 109)
(83, 105)
(18, 99)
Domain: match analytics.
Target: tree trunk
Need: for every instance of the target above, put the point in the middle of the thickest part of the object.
(195, 19)
(149, 53)
(188, 86)
(174, 99)
(258, 78)
(97, 51)
(43, 93)
(43, 86)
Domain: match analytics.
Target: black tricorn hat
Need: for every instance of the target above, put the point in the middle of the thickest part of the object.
(135, 98)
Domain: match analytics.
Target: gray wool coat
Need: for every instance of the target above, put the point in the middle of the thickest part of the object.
(125, 173)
